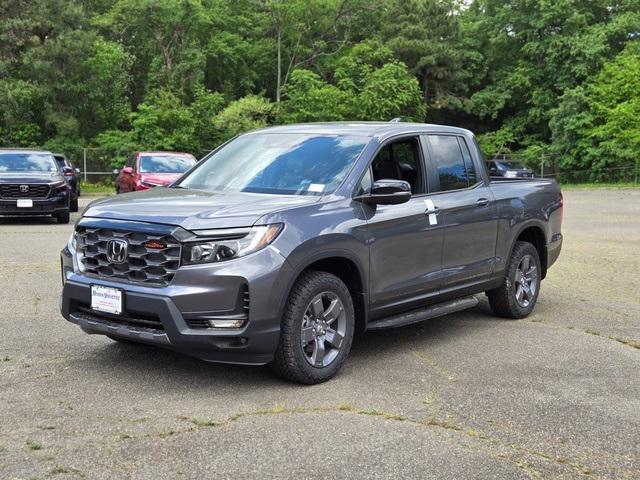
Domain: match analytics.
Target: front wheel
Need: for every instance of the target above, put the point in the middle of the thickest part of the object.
(317, 329)
(73, 204)
(518, 294)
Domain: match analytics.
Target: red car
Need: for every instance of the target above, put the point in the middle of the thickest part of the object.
(144, 170)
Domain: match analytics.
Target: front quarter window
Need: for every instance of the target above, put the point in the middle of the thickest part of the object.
(278, 163)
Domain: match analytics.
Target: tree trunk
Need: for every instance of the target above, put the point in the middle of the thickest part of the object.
(279, 79)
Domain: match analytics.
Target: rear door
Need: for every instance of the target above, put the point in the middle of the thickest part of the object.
(467, 210)
(405, 249)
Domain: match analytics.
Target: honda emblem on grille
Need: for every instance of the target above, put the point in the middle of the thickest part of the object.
(24, 188)
(117, 251)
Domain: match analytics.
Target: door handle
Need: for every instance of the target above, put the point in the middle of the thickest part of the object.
(431, 212)
(482, 202)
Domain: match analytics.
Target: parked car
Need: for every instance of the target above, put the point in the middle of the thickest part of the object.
(508, 169)
(281, 244)
(72, 177)
(144, 170)
(31, 184)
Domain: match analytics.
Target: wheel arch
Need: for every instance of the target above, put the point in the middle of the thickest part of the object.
(347, 268)
(534, 233)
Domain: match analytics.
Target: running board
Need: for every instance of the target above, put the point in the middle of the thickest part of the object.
(426, 313)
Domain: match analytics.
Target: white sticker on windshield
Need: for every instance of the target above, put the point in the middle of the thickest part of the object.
(316, 187)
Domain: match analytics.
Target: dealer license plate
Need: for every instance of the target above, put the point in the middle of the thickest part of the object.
(24, 203)
(106, 299)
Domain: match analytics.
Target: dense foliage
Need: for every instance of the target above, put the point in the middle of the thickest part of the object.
(559, 78)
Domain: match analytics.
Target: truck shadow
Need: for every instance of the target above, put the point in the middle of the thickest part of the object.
(155, 368)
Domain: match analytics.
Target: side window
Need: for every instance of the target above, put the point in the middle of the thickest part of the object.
(448, 161)
(468, 162)
(400, 160)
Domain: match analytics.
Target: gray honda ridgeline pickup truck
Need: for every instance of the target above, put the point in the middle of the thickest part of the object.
(283, 243)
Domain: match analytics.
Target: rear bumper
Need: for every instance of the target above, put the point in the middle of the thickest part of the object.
(174, 307)
(43, 206)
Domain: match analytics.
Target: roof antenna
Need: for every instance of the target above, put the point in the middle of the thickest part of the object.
(395, 120)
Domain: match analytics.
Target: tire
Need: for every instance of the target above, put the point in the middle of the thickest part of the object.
(63, 217)
(517, 296)
(73, 205)
(321, 306)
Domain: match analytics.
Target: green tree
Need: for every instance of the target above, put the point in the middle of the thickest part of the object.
(247, 113)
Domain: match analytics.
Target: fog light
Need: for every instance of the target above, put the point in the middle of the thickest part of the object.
(236, 323)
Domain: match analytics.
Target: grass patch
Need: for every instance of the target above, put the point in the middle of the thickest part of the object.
(34, 445)
(97, 188)
(584, 186)
(198, 422)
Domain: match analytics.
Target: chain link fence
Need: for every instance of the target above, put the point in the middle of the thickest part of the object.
(546, 166)
(97, 164)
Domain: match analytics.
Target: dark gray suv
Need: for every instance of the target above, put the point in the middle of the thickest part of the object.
(283, 243)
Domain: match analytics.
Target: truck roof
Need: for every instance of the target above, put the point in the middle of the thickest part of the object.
(24, 150)
(369, 129)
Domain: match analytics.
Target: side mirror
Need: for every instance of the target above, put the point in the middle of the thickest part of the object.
(127, 170)
(387, 192)
(77, 170)
(116, 172)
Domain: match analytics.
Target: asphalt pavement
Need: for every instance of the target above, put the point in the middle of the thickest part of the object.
(459, 397)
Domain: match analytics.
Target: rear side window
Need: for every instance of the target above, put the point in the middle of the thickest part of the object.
(448, 161)
(468, 163)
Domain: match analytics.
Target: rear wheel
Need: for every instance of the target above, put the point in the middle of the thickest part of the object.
(317, 329)
(73, 205)
(517, 295)
(63, 217)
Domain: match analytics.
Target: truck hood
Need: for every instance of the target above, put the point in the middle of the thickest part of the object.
(30, 177)
(193, 209)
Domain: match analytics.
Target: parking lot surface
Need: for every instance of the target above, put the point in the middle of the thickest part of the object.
(463, 396)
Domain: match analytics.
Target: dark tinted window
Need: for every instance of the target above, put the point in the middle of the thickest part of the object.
(279, 163)
(166, 163)
(399, 161)
(468, 163)
(447, 158)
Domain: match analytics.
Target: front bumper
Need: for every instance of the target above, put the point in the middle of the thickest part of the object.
(195, 292)
(41, 206)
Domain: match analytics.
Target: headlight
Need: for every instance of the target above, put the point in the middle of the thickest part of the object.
(230, 245)
(59, 187)
(71, 243)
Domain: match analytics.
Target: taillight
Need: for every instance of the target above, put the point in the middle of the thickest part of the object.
(561, 207)
(69, 174)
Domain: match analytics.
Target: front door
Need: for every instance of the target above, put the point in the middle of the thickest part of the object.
(405, 243)
(467, 210)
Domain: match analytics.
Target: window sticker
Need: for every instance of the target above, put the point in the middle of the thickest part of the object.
(316, 187)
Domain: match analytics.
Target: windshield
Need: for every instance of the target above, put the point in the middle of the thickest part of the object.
(513, 165)
(166, 163)
(278, 163)
(27, 162)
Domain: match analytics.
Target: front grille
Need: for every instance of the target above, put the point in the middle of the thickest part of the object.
(153, 266)
(133, 320)
(15, 190)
